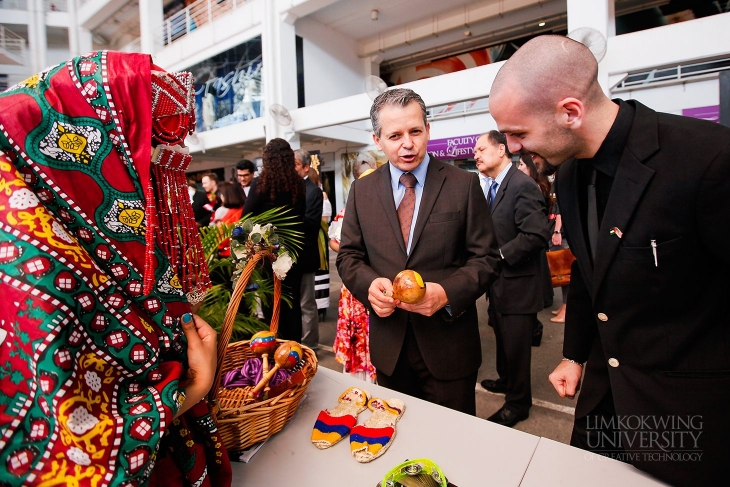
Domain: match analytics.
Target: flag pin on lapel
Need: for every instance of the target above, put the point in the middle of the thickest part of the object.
(617, 231)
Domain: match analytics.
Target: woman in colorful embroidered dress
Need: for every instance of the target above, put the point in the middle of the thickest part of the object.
(98, 248)
(352, 339)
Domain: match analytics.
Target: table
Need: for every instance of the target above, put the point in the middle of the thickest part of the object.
(470, 450)
(555, 464)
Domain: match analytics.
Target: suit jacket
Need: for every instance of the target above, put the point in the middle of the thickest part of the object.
(523, 231)
(202, 214)
(244, 193)
(453, 244)
(309, 258)
(655, 331)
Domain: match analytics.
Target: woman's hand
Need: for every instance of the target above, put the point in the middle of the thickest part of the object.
(202, 359)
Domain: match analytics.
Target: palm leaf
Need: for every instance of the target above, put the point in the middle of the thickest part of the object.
(281, 218)
(285, 222)
(215, 304)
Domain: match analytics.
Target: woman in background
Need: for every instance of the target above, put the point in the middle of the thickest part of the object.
(527, 166)
(232, 198)
(230, 211)
(352, 339)
(279, 185)
(322, 275)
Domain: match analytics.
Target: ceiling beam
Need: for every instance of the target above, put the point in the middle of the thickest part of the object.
(346, 134)
(296, 9)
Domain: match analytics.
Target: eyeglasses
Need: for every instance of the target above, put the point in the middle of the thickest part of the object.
(420, 467)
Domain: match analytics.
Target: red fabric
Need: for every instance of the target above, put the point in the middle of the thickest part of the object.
(231, 216)
(194, 427)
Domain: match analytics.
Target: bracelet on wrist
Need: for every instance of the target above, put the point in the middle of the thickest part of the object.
(572, 361)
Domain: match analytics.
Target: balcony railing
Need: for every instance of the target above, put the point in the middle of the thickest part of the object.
(14, 4)
(195, 15)
(55, 5)
(51, 5)
(459, 109)
(12, 45)
(679, 72)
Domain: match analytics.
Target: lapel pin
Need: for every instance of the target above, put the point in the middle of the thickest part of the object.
(617, 231)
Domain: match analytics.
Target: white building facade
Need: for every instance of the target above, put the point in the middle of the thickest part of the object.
(306, 70)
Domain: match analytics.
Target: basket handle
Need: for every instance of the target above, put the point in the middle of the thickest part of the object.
(227, 328)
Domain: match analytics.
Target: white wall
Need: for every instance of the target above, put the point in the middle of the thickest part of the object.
(332, 68)
(467, 125)
(57, 55)
(673, 98)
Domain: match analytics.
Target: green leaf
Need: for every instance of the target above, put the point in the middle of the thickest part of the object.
(215, 304)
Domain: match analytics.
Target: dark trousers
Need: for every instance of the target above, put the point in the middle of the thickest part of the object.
(411, 376)
(513, 334)
(596, 431)
(290, 317)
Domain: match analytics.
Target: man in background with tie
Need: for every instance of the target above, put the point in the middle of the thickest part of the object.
(418, 213)
(521, 225)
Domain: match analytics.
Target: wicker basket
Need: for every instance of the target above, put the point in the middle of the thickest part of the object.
(241, 421)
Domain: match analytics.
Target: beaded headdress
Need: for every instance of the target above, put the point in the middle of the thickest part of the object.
(172, 224)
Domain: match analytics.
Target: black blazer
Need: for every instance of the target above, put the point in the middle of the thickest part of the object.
(453, 244)
(202, 215)
(663, 324)
(523, 231)
(309, 258)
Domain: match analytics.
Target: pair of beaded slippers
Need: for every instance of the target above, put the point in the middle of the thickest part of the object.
(368, 440)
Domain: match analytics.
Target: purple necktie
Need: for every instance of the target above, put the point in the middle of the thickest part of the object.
(407, 205)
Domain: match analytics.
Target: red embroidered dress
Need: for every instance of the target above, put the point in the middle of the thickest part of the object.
(92, 284)
(352, 339)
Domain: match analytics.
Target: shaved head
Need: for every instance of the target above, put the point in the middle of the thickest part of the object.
(547, 101)
(548, 69)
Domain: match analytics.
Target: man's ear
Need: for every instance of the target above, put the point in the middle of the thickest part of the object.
(376, 139)
(570, 113)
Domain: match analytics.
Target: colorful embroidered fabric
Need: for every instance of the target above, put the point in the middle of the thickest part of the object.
(330, 429)
(332, 426)
(371, 439)
(90, 364)
(352, 339)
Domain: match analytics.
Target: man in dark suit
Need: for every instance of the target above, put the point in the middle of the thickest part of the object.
(644, 201)
(210, 186)
(308, 259)
(201, 205)
(521, 225)
(418, 213)
(245, 171)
